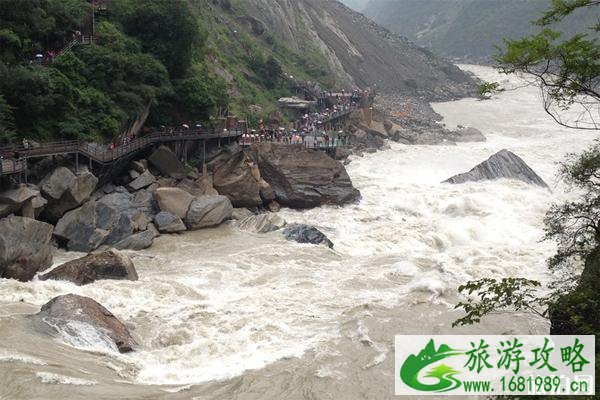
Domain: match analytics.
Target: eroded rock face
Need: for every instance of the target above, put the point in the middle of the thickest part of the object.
(306, 234)
(110, 264)
(302, 178)
(62, 311)
(262, 223)
(235, 180)
(207, 211)
(24, 247)
(503, 164)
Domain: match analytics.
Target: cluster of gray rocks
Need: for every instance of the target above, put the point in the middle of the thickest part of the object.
(157, 195)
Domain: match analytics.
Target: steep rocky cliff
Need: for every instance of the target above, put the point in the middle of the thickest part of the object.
(340, 46)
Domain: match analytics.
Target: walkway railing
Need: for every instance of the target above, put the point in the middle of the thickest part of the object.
(309, 142)
(15, 157)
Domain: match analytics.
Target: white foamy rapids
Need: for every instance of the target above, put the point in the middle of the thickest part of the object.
(214, 303)
(56, 379)
(82, 335)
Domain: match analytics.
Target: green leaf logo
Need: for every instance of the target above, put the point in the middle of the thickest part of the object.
(409, 372)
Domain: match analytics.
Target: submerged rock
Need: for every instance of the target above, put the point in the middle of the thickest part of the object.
(503, 164)
(110, 264)
(62, 311)
(239, 214)
(24, 247)
(262, 223)
(306, 234)
(302, 178)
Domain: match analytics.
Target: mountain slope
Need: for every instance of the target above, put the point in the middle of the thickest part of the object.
(467, 29)
(335, 45)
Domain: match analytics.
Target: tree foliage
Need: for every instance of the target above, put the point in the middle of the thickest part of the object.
(567, 69)
(143, 55)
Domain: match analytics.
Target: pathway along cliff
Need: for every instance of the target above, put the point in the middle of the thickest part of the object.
(226, 314)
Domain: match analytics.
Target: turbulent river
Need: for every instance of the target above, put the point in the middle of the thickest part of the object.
(224, 314)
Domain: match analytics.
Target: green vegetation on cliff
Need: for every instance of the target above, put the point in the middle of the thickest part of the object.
(94, 91)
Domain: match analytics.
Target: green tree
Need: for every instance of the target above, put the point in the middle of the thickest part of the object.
(167, 29)
(567, 69)
(7, 133)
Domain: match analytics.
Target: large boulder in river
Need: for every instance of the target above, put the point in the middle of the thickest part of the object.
(78, 230)
(234, 179)
(66, 191)
(207, 211)
(173, 200)
(303, 178)
(167, 163)
(75, 315)
(261, 223)
(24, 247)
(503, 164)
(168, 223)
(306, 234)
(110, 264)
(109, 220)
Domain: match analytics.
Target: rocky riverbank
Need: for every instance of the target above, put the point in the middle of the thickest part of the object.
(159, 195)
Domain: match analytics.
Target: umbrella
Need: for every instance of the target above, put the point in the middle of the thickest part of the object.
(186, 126)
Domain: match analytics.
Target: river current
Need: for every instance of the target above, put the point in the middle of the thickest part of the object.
(224, 314)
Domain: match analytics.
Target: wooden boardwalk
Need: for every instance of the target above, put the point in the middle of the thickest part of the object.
(15, 158)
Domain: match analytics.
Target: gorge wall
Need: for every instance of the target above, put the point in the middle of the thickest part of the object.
(350, 48)
(466, 29)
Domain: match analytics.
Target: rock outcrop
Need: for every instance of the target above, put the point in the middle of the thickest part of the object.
(66, 191)
(24, 247)
(173, 200)
(167, 163)
(207, 211)
(110, 264)
(262, 223)
(302, 178)
(503, 164)
(109, 220)
(306, 234)
(234, 179)
(62, 311)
